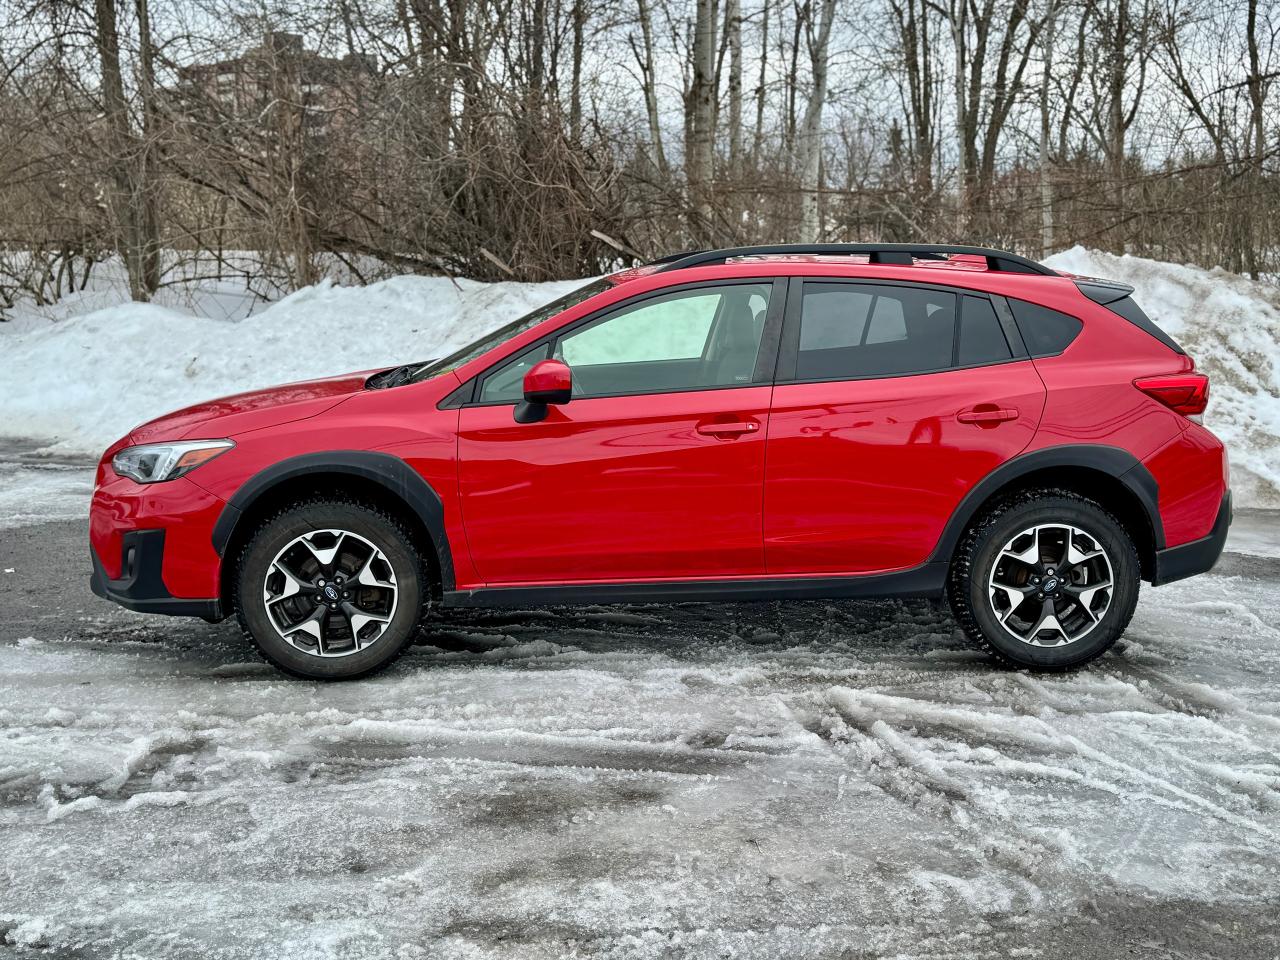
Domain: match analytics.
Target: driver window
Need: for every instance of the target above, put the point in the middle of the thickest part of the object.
(506, 384)
(688, 340)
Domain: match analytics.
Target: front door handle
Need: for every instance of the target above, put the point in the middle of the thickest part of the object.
(987, 414)
(728, 430)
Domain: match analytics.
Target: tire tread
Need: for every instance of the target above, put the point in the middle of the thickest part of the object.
(961, 571)
(323, 502)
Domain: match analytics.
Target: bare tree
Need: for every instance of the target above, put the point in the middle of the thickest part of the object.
(499, 139)
(644, 55)
(1046, 128)
(132, 202)
(809, 153)
(700, 123)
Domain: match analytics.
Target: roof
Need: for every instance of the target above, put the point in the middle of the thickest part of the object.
(927, 256)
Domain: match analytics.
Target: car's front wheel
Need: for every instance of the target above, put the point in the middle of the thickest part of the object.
(331, 589)
(1045, 579)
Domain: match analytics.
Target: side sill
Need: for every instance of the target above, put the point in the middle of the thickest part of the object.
(926, 580)
(140, 586)
(1198, 556)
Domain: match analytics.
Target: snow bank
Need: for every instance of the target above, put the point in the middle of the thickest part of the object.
(80, 383)
(1231, 326)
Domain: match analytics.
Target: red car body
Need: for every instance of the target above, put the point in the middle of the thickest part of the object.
(766, 489)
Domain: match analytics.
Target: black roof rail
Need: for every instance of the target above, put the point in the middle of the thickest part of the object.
(897, 253)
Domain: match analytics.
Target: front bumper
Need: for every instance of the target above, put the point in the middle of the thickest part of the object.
(140, 585)
(1198, 556)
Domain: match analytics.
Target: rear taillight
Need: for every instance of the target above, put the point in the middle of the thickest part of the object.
(1184, 393)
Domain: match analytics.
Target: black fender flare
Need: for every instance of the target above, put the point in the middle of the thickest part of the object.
(1112, 461)
(384, 469)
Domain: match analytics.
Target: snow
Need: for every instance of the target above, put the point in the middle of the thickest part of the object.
(85, 378)
(799, 780)
(1230, 325)
(794, 780)
(36, 488)
(88, 379)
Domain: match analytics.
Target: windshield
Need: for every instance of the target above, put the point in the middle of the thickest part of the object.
(436, 367)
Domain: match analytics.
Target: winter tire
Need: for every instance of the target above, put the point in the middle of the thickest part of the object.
(331, 589)
(1046, 579)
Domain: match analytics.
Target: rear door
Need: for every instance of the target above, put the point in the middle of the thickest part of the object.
(892, 401)
(654, 469)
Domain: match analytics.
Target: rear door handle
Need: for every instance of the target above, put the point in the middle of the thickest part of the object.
(729, 430)
(987, 413)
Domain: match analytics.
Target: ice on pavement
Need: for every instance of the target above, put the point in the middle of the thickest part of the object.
(36, 488)
(753, 781)
(779, 780)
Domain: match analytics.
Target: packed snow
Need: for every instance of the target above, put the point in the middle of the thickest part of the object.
(1230, 325)
(787, 780)
(799, 780)
(82, 379)
(86, 380)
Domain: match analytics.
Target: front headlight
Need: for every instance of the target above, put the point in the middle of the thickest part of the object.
(154, 462)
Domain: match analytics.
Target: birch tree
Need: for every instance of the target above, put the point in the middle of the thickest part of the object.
(809, 146)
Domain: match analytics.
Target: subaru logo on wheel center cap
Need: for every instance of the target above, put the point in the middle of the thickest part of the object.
(1051, 585)
(330, 592)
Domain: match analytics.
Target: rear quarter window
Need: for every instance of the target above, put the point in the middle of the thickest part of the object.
(1046, 332)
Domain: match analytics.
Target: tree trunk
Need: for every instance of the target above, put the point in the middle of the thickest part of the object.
(1046, 180)
(757, 140)
(121, 158)
(1259, 137)
(958, 16)
(575, 90)
(701, 146)
(650, 85)
(1116, 68)
(733, 26)
(148, 186)
(810, 146)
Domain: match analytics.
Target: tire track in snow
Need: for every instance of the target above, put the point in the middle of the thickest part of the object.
(1031, 733)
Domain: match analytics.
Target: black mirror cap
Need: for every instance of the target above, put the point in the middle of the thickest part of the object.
(548, 396)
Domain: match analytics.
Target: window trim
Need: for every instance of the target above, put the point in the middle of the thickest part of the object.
(1012, 332)
(789, 355)
(958, 337)
(1052, 353)
(482, 379)
(765, 363)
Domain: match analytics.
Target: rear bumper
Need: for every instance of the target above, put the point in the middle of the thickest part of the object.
(140, 585)
(1198, 556)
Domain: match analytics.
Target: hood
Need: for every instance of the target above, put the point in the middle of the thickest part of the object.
(253, 410)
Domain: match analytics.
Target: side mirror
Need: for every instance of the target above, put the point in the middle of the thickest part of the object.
(547, 381)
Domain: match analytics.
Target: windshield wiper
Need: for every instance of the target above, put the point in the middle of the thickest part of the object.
(395, 377)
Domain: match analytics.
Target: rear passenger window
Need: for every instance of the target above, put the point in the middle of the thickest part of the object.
(1044, 331)
(850, 330)
(981, 339)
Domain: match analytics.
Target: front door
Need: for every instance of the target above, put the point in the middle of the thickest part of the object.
(654, 470)
(892, 401)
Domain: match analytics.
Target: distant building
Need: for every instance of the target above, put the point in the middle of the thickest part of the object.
(280, 74)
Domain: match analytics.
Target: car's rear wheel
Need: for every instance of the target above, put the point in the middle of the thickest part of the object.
(1045, 579)
(331, 589)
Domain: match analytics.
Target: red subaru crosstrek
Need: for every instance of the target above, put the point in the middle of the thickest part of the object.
(759, 423)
